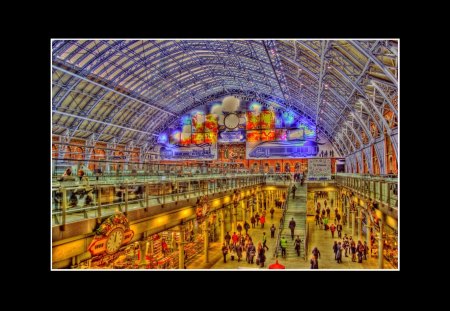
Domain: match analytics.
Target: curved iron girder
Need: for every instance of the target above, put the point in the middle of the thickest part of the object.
(343, 144)
(353, 112)
(375, 60)
(59, 101)
(345, 103)
(339, 146)
(380, 115)
(103, 56)
(349, 140)
(380, 90)
(336, 95)
(111, 90)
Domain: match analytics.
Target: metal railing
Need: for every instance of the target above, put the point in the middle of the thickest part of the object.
(306, 238)
(380, 189)
(86, 200)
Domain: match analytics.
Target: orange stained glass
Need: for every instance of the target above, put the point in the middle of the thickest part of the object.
(211, 123)
(252, 121)
(267, 135)
(267, 120)
(253, 136)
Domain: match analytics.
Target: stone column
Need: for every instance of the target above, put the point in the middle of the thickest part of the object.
(143, 247)
(234, 218)
(222, 226)
(348, 216)
(242, 204)
(353, 223)
(206, 240)
(359, 225)
(381, 243)
(181, 248)
(368, 227)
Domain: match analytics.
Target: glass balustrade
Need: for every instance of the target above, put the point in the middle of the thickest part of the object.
(79, 200)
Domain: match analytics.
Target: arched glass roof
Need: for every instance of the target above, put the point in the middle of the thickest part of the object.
(128, 91)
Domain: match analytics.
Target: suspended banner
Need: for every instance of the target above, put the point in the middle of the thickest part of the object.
(319, 169)
(192, 152)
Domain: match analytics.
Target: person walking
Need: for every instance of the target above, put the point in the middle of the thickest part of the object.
(314, 262)
(251, 251)
(332, 202)
(316, 252)
(335, 249)
(228, 238)
(246, 227)
(239, 228)
(332, 229)
(328, 212)
(338, 218)
(238, 249)
(261, 257)
(292, 227)
(339, 230)
(325, 223)
(257, 218)
(271, 212)
(339, 253)
(366, 250)
(235, 238)
(264, 239)
(317, 220)
(353, 250)
(297, 244)
(262, 220)
(360, 250)
(253, 221)
(224, 252)
(283, 244)
(272, 231)
(294, 188)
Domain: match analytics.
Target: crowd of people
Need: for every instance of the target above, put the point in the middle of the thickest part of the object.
(240, 243)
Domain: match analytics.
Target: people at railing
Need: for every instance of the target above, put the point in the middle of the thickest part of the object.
(73, 201)
(67, 175)
(81, 172)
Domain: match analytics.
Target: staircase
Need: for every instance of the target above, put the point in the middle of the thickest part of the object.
(297, 210)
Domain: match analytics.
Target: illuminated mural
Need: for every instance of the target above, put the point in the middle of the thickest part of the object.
(268, 131)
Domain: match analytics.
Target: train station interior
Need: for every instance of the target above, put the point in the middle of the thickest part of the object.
(224, 154)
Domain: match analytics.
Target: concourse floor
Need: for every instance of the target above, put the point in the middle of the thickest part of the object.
(317, 238)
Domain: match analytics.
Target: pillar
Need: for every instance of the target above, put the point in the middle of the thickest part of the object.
(359, 224)
(368, 227)
(181, 248)
(234, 218)
(143, 247)
(206, 240)
(348, 216)
(151, 247)
(257, 201)
(242, 204)
(353, 223)
(222, 226)
(381, 244)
